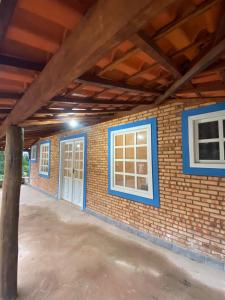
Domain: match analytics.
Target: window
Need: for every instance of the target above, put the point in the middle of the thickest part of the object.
(204, 140)
(44, 167)
(34, 153)
(133, 168)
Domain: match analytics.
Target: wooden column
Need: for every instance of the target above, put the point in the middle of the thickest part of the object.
(10, 213)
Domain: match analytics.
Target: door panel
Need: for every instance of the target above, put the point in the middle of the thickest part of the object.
(67, 178)
(72, 178)
(78, 172)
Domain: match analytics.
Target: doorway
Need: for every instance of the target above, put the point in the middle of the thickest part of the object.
(72, 181)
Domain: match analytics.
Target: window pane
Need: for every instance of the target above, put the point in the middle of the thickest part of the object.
(142, 183)
(208, 130)
(141, 152)
(142, 168)
(81, 155)
(130, 181)
(209, 151)
(129, 167)
(129, 153)
(141, 137)
(223, 128)
(119, 166)
(129, 139)
(119, 180)
(119, 153)
(119, 140)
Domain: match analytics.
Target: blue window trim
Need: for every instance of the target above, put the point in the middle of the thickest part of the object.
(34, 160)
(185, 141)
(71, 137)
(49, 160)
(155, 177)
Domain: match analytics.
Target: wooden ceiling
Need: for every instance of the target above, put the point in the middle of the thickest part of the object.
(176, 52)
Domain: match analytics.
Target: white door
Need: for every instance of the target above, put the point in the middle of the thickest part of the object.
(78, 172)
(67, 170)
(73, 171)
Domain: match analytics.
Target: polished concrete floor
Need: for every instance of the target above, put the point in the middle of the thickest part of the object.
(65, 254)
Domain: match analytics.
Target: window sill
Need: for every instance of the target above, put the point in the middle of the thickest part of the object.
(44, 175)
(204, 171)
(140, 199)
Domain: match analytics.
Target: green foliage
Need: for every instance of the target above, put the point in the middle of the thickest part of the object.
(2, 157)
(25, 164)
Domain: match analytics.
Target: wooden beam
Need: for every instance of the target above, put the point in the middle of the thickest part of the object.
(56, 117)
(10, 213)
(81, 100)
(119, 60)
(142, 72)
(95, 36)
(20, 63)
(7, 8)
(78, 111)
(219, 34)
(201, 65)
(108, 84)
(142, 41)
(111, 102)
(9, 95)
(199, 100)
(206, 87)
(204, 6)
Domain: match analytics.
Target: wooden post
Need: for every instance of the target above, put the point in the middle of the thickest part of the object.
(10, 213)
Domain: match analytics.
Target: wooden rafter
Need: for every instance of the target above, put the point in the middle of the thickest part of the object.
(77, 100)
(219, 34)
(84, 47)
(119, 60)
(20, 63)
(108, 84)
(201, 65)
(204, 6)
(7, 8)
(142, 41)
(206, 87)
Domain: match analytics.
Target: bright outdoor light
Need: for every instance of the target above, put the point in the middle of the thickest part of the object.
(73, 123)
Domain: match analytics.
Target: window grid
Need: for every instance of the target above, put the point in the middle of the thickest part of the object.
(34, 152)
(44, 159)
(68, 159)
(78, 162)
(135, 160)
(220, 139)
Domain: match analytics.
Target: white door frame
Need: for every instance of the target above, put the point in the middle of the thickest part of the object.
(61, 141)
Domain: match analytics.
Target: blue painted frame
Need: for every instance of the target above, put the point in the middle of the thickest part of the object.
(187, 169)
(34, 160)
(155, 176)
(71, 137)
(49, 161)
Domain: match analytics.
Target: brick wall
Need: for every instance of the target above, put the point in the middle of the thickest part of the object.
(192, 208)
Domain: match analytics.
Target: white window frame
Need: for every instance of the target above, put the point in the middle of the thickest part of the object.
(133, 191)
(193, 122)
(33, 154)
(48, 159)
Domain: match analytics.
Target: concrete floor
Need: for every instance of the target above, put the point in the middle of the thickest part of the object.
(67, 254)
